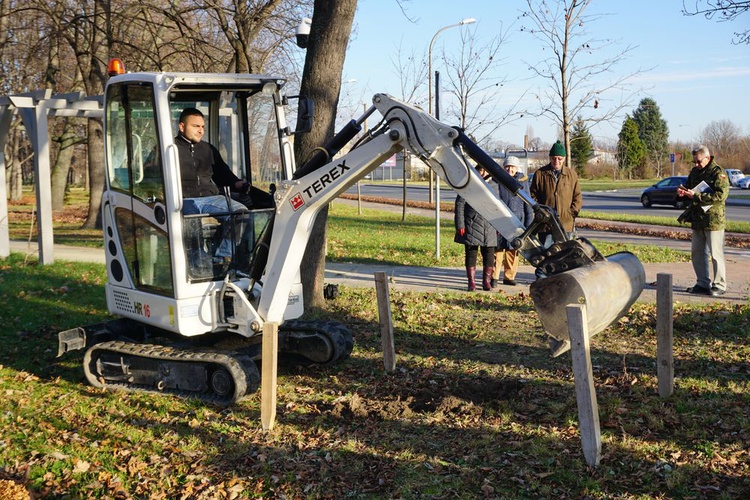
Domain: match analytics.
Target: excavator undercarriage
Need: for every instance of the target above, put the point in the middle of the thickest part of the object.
(219, 368)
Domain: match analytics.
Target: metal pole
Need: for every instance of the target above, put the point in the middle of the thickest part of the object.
(437, 177)
(468, 20)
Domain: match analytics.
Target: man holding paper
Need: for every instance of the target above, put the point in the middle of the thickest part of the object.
(708, 187)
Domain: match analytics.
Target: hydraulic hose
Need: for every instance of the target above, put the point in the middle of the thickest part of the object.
(483, 159)
(324, 155)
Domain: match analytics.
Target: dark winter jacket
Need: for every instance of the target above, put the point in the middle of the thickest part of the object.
(479, 232)
(714, 218)
(564, 195)
(520, 209)
(202, 170)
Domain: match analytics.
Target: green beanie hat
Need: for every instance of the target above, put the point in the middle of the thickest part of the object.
(558, 150)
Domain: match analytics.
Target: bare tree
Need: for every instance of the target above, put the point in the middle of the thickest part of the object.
(321, 80)
(723, 10)
(411, 70)
(476, 87)
(722, 137)
(580, 84)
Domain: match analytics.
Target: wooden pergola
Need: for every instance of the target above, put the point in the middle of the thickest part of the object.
(34, 108)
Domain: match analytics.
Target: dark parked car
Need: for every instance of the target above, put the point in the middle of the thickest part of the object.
(664, 192)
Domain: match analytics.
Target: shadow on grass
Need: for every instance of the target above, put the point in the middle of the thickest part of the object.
(476, 402)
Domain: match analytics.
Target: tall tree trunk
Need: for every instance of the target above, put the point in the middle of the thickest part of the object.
(59, 170)
(59, 179)
(321, 81)
(100, 40)
(16, 175)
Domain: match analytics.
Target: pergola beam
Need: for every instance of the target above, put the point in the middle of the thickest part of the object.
(34, 108)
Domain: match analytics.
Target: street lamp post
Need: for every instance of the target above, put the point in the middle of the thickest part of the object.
(468, 20)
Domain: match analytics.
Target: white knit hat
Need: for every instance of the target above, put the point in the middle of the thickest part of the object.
(512, 160)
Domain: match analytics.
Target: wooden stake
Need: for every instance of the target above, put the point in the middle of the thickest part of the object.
(664, 335)
(269, 363)
(386, 322)
(588, 409)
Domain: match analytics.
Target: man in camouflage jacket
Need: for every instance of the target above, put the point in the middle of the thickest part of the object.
(708, 219)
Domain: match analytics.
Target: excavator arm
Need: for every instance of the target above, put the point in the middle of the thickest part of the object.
(446, 150)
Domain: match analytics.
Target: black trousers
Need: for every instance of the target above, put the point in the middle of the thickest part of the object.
(488, 256)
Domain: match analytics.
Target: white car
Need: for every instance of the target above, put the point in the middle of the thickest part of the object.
(744, 183)
(734, 176)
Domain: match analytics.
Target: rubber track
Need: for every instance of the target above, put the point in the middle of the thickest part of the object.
(243, 370)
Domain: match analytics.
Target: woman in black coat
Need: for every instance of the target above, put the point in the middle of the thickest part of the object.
(475, 233)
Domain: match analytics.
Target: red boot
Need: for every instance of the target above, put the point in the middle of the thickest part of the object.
(487, 278)
(470, 274)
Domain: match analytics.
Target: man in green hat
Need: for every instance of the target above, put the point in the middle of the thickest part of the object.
(557, 187)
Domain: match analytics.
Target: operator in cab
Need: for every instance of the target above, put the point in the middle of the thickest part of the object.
(203, 173)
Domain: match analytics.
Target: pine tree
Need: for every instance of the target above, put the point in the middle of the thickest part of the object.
(654, 134)
(581, 146)
(630, 149)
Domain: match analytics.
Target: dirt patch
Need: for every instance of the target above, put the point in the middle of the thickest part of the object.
(462, 398)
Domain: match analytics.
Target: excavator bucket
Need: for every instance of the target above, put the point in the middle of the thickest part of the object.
(607, 287)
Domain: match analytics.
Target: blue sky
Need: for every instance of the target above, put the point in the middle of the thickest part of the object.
(693, 71)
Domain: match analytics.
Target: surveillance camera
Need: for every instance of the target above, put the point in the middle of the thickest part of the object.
(303, 32)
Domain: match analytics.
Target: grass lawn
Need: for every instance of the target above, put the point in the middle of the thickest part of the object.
(475, 409)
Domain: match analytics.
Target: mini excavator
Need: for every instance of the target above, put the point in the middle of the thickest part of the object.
(191, 326)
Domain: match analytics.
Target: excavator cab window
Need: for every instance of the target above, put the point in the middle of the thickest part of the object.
(136, 186)
(242, 125)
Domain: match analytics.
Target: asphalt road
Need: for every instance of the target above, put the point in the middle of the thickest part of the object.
(622, 201)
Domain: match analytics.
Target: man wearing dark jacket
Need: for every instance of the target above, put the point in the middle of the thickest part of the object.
(557, 187)
(203, 172)
(707, 186)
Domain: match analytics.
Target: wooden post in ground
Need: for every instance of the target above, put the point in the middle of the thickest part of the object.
(386, 322)
(664, 332)
(588, 409)
(269, 363)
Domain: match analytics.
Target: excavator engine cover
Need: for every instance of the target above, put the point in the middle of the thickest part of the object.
(607, 287)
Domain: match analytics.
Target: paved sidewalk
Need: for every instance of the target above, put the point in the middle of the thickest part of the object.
(432, 278)
(428, 279)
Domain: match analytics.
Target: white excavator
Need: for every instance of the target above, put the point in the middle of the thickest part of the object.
(192, 326)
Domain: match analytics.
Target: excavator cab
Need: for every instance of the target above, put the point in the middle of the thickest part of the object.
(157, 248)
(189, 320)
